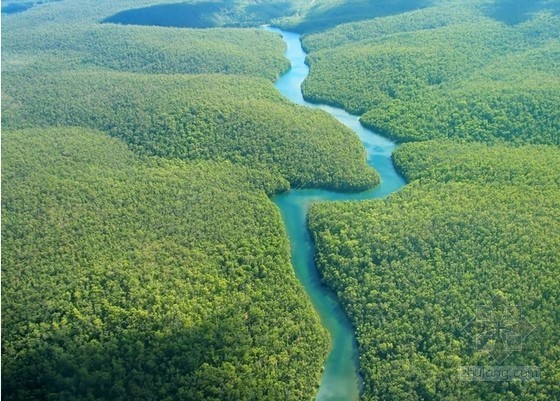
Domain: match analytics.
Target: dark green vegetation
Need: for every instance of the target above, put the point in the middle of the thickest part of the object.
(206, 14)
(142, 258)
(16, 6)
(477, 225)
(444, 72)
(118, 286)
(323, 14)
(182, 15)
(294, 15)
(514, 12)
(62, 78)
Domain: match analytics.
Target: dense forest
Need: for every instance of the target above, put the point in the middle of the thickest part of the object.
(117, 285)
(321, 15)
(443, 73)
(142, 255)
(150, 50)
(476, 225)
(210, 117)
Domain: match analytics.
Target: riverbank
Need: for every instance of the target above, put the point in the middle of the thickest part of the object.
(341, 378)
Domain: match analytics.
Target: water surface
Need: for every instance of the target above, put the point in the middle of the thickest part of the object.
(341, 380)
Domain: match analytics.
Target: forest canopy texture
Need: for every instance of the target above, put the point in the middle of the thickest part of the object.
(143, 258)
(428, 274)
(471, 245)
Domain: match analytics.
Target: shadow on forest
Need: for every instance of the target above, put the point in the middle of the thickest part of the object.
(513, 12)
(265, 12)
(13, 8)
(320, 17)
(204, 15)
(134, 361)
(180, 15)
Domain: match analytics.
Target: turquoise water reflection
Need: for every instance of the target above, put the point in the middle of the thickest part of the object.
(341, 380)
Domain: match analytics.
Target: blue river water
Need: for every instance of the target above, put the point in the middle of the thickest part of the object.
(341, 380)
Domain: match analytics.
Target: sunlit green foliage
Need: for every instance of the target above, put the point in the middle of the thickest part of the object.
(130, 277)
(445, 161)
(68, 32)
(126, 278)
(227, 51)
(427, 18)
(149, 49)
(439, 77)
(477, 225)
(195, 117)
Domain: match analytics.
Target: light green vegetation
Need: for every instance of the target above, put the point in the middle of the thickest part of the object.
(142, 49)
(117, 283)
(213, 117)
(477, 226)
(445, 161)
(69, 34)
(227, 51)
(142, 258)
(218, 13)
(428, 18)
(436, 74)
(61, 74)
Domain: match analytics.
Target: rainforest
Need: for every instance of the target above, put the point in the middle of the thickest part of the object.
(326, 200)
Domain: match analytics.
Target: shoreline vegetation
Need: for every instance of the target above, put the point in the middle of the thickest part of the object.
(143, 257)
(474, 103)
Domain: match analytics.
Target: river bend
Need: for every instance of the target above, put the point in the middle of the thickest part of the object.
(341, 380)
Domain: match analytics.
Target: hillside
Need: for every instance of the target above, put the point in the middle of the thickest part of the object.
(197, 117)
(117, 285)
(142, 257)
(443, 72)
(459, 268)
(426, 274)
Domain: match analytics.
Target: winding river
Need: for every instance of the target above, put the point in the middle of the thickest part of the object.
(341, 380)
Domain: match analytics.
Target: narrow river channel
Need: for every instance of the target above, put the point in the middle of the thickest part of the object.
(341, 380)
